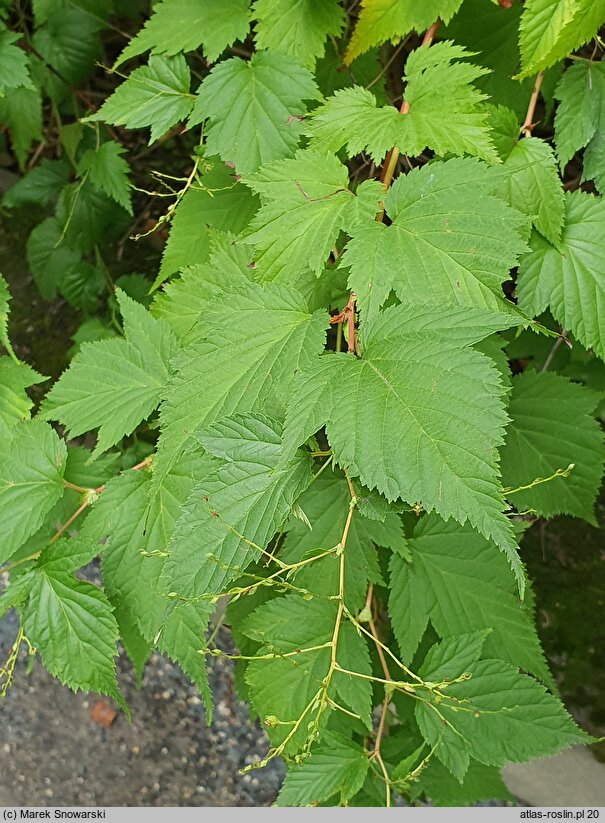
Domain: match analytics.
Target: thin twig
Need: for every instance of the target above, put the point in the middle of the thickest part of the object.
(392, 158)
(554, 349)
(386, 701)
(528, 123)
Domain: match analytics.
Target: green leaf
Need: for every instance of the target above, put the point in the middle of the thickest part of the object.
(133, 535)
(481, 783)
(461, 583)
(551, 29)
(336, 766)
(21, 113)
(82, 285)
(219, 203)
(71, 624)
(533, 186)
(183, 299)
(306, 203)
(253, 109)
(182, 639)
(283, 687)
(49, 257)
(15, 594)
(114, 385)
(222, 372)
(39, 186)
(492, 33)
(68, 40)
(298, 28)
(87, 217)
(31, 482)
(444, 396)
(90, 475)
(66, 555)
(452, 240)
(363, 71)
(383, 20)
(185, 25)
(14, 68)
(437, 81)
(15, 404)
(326, 505)
(236, 508)
(580, 119)
(136, 647)
(108, 172)
(4, 312)
(507, 716)
(552, 427)
(155, 95)
(568, 278)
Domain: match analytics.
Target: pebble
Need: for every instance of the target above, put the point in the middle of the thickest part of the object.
(166, 756)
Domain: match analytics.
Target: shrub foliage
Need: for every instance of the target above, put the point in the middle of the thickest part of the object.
(370, 357)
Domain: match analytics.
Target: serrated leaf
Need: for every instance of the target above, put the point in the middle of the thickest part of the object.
(461, 583)
(222, 372)
(182, 639)
(550, 29)
(507, 716)
(133, 535)
(15, 404)
(383, 20)
(236, 508)
(481, 783)
(185, 25)
(533, 186)
(87, 216)
(452, 240)
(14, 68)
(437, 81)
(156, 95)
(336, 766)
(492, 31)
(15, 594)
(447, 399)
(504, 127)
(298, 28)
(136, 647)
(553, 426)
(306, 203)
(4, 312)
(31, 482)
(68, 554)
(253, 109)
(283, 687)
(182, 300)
(580, 119)
(71, 624)
(108, 172)
(114, 385)
(21, 113)
(218, 203)
(326, 505)
(568, 278)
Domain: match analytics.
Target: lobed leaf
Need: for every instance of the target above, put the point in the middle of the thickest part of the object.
(114, 385)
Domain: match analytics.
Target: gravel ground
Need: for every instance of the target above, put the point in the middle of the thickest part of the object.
(53, 753)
